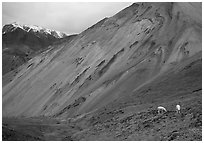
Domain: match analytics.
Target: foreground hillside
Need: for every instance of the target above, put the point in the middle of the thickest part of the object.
(128, 118)
(106, 83)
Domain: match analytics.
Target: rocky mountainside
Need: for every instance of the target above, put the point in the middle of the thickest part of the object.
(21, 42)
(108, 80)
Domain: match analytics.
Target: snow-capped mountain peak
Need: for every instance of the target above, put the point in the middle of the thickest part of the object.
(32, 28)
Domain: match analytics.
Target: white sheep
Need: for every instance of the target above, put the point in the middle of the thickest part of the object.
(161, 109)
(178, 108)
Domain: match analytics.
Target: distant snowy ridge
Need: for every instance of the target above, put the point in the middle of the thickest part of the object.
(28, 28)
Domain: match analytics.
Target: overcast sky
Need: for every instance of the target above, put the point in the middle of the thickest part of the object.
(66, 17)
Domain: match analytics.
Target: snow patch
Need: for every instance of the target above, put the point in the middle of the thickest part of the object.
(35, 28)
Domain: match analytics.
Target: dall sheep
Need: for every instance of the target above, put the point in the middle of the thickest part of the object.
(178, 108)
(161, 109)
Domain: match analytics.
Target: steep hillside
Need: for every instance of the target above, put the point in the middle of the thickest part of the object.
(22, 42)
(114, 58)
(130, 117)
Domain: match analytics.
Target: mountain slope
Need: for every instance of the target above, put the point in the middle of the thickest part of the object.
(113, 58)
(21, 42)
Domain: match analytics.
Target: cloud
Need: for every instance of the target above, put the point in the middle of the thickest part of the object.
(68, 17)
